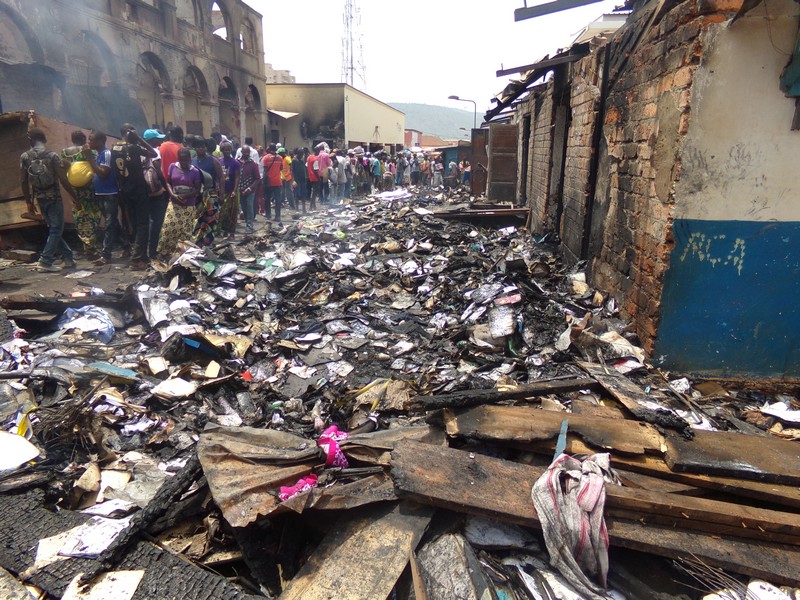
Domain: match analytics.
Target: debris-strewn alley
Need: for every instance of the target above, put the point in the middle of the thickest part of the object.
(382, 399)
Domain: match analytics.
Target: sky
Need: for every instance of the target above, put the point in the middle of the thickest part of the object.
(418, 50)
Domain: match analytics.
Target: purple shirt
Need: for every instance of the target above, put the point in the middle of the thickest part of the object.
(181, 180)
(229, 167)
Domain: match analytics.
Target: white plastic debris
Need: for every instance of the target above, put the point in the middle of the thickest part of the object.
(15, 451)
(175, 388)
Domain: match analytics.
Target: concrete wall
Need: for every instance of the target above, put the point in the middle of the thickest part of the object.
(729, 304)
(372, 122)
(335, 113)
(411, 138)
(98, 63)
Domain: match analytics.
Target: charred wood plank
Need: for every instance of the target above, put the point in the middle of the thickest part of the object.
(735, 454)
(501, 489)
(683, 511)
(473, 214)
(363, 556)
(169, 491)
(774, 494)
(57, 304)
(467, 398)
(631, 396)
(525, 424)
(23, 480)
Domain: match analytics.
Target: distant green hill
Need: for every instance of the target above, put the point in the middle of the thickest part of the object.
(437, 120)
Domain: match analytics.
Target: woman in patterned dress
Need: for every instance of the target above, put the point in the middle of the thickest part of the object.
(207, 225)
(232, 170)
(184, 182)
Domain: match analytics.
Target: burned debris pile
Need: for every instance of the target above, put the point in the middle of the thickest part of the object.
(376, 402)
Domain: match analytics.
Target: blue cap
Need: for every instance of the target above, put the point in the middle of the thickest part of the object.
(149, 134)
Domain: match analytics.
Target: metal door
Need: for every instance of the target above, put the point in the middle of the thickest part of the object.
(479, 161)
(502, 185)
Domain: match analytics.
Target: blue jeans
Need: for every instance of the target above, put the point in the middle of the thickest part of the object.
(248, 204)
(53, 213)
(288, 194)
(324, 192)
(274, 193)
(158, 208)
(109, 204)
(301, 193)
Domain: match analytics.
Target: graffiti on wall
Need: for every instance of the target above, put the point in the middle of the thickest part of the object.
(716, 250)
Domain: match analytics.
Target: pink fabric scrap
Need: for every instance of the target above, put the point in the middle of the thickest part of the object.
(303, 485)
(569, 499)
(329, 442)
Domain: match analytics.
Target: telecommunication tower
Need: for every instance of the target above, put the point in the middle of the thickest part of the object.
(352, 48)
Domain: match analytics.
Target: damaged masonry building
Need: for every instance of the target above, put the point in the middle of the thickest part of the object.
(663, 156)
(100, 63)
(407, 393)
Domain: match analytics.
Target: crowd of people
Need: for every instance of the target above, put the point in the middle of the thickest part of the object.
(384, 172)
(154, 190)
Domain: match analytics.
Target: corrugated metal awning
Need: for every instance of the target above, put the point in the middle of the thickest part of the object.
(533, 72)
(531, 12)
(283, 114)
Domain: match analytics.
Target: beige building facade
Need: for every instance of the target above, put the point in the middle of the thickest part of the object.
(278, 75)
(99, 63)
(304, 115)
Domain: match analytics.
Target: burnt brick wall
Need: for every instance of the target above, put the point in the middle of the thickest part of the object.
(584, 104)
(540, 109)
(647, 115)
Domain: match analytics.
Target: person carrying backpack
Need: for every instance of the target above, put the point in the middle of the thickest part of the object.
(41, 170)
(86, 210)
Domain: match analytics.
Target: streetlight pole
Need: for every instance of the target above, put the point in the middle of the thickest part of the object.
(475, 109)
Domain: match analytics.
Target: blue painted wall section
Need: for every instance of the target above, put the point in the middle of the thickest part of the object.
(731, 300)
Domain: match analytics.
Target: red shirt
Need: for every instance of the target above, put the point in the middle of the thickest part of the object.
(313, 177)
(169, 155)
(272, 169)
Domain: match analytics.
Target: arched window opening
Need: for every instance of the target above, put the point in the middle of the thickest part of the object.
(228, 107)
(18, 44)
(247, 37)
(186, 10)
(252, 99)
(152, 82)
(252, 103)
(195, 100)
(220, 20)
(228, 93)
